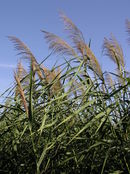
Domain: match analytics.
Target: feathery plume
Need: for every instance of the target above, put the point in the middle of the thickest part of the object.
(21, 72)
(79, 43)
(93, 62)
(57, 84)
(27, 54)
(58, 45)
(22, 48)
(74, 33)
(113, 50)
(21, 92)
(54, 78)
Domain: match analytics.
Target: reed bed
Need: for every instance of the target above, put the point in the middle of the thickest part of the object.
(71, 119)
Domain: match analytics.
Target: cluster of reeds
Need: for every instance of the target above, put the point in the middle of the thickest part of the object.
(71, 119)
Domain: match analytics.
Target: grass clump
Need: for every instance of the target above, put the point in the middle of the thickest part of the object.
(71, 119)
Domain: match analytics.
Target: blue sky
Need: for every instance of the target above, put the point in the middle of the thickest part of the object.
(24, 19)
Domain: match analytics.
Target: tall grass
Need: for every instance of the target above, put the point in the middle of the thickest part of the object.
(71, 119)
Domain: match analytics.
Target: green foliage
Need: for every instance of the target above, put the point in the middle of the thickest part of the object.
(73, 131)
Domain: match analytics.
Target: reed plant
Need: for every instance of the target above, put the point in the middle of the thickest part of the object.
(71, 119)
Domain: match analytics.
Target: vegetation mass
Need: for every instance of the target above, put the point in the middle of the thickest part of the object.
(73, 118)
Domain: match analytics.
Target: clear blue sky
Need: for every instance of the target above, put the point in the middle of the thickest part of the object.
(24, 19)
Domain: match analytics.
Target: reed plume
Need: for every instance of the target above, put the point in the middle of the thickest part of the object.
(79, 44)
(112, 49)
(21, 74)
(53, 78)
(27, 54)
(58, 45)
(93, 63)
(74, 34)
(21, 92)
